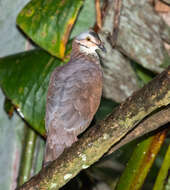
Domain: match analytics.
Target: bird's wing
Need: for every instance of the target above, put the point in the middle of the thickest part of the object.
(73, 98)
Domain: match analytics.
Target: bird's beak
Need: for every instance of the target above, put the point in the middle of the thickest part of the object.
(101, 46)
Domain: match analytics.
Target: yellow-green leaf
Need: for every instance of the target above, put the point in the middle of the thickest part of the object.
(49, 22)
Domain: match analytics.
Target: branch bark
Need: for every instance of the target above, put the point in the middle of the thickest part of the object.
(98, 14)
(117, 10)
(149, 124)
(99, 139)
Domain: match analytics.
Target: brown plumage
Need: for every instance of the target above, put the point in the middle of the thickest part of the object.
(73, 95)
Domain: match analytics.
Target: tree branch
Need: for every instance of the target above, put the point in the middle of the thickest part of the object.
(151, 123)
(99, 139)
(117, 10)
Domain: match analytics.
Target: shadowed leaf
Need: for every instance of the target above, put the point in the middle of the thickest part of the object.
(140, 163)
(24, 78)
(163, 172)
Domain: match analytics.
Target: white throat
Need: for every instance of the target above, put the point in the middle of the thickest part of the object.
(89, 50)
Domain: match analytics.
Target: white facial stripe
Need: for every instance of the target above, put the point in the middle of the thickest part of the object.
(88, 50)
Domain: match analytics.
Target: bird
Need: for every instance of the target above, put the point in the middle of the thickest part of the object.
(74, 95)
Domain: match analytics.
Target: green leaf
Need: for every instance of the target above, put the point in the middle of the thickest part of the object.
(86, 18)
(24, 78)
(48, 23)
(9, 107)
(106, 107)
(143, 74)
(163, 172)
(27, 156)
(140, 163)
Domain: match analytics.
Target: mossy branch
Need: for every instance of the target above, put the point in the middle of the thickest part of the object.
(99, 139)
(150, 123)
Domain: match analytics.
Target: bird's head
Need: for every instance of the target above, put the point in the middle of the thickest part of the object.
(89, 42)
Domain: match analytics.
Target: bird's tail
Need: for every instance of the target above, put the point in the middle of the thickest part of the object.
(56, 143)
(52, 152)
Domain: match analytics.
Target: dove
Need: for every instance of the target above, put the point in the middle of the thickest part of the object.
(74, 95)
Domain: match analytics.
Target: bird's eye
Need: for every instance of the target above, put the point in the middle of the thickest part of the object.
(88, 38)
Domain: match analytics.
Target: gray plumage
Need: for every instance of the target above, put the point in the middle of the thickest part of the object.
(73, 97)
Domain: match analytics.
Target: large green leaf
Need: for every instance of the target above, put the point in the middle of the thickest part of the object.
(24, 78)
(48, 23)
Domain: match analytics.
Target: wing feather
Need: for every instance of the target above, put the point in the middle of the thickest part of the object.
(72, 100)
